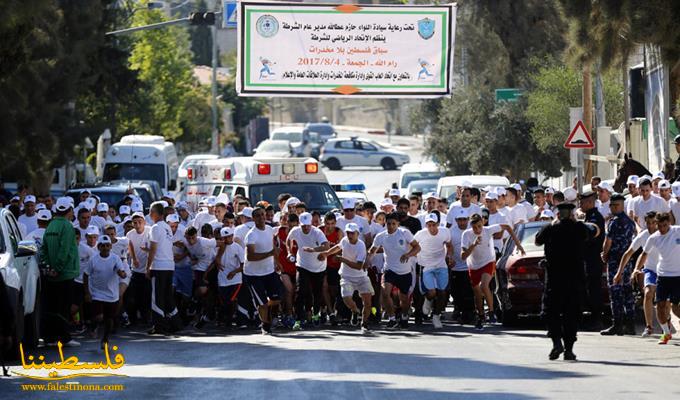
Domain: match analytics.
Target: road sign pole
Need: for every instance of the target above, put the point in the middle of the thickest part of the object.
(575, 115)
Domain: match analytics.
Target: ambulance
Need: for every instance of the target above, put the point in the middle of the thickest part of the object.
(261, 179)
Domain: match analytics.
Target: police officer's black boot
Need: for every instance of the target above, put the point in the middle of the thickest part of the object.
(616, 329)
(629, 327)
(569, 351)
(557, 348)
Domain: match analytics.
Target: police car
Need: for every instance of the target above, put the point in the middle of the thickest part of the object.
(261, 179)
(355, 152)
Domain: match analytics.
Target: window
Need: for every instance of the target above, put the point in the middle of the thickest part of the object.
(217, 190)
(135, 172)
(317, 196)
(418, 176)
(228, 189)
(367, 146)
(345, 144)
(241, 191)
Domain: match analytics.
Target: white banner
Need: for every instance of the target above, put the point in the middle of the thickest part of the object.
(311, 50)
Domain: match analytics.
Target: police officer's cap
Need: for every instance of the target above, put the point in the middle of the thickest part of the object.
(586, 194)
(565, 206)
(617, 197)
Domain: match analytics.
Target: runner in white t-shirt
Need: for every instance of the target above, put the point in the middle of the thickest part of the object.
(478, 252)
(666, 240)
(435, 255)
(229, 275)
(646, 202)
(459, 277)
(399, 249)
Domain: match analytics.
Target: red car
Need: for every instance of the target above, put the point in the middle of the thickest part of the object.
(520, 279)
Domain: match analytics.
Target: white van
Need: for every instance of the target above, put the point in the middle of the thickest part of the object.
(417, 172)
(142, 157)
(261, 179)
(448, 185)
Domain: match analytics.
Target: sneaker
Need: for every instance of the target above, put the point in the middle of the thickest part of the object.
(355, 319)
(364, 328)
(201, 322)
(392, 324)
(403, 324)
(437, 321)
(334, 320)
(648, 331)
(265, 331)
(297, 326)
(78, 330)
(316, 319)
(72, 343)
(555, 352)
(427, 307)
(491, 318)
(323, 318)
(479, 324)
(569, 356)
(276, 322)
(665, 338)
(124, 320)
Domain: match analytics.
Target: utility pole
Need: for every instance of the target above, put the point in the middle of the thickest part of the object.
(587, 101)
(214, 141)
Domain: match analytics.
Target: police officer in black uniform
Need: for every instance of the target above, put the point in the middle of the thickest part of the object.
(565, 244)
(593, 260)
(676, 171)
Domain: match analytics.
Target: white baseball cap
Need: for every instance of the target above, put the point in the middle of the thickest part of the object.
(136, 207)
(500, 191)
(40, 206)
(461, 213)
(92, 230)
(465, 184)
(676, 189)
(293, 201)
(394, 192)
(487, 189)
(644, 179)
(659, 175)
(570, 194)
(492, 196)
(63, 204)
(247, 212)
(44, 215)
(549, 190)
(102, 207)
(103, 239)
(172, 218)
(211, 201)
(29, 199)
(516, 186)
(226, 231)
(632, 180)
(547, 214)
(15, 198)
(124, 210)
(431, 195)
(222, 199)
(137, 214)
(352, 227)
(432, 217)
(306, 218)
(606, 186)
(182, 205)
(91, 202)
(664, 184)
(386, 202)
(348, 203)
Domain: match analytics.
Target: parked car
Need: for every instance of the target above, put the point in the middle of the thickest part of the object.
(448, 185)
(354, 152)
(271, 148)
(422, 186)
(149, 191)
(299, 139)
(325, 130)
(520, 279)
(350, 190)
(418, 171)
(19, 284)
(111, 194)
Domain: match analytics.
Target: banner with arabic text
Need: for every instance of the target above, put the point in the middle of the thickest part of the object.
(312, 50)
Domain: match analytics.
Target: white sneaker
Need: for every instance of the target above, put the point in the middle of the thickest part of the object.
(647, 332)
(427, 307)
(437, 321)
(72, 343)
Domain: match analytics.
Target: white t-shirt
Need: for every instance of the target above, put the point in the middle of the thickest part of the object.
(241, 231)
(204, 251)
(359, 220)
(99, 222)
(668, 246)
(232, 258)
(653, 256)
(378, 259)
(31, 223)
(85, 253)
(263, 240)
(456, 238)
(641, 207)
(36, 235)
(605, 210)
(517, 214)
(102, 277)
(178, 250)
(355, 253)
(432, 253)
(203, 218)
(451, 215)
(161, 234)
(314, 238)
(83, 231)
(529, 209)
(121, 249)
(484, 253)
(499, 219)
(394, 246)
(675, 209)
(139, 241)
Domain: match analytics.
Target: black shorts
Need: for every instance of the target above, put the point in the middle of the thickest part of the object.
(333, 277)
(199, 277)
(78, 294)
(668, 289)
(229, 294)
(105, 308)
(264, 288)
(402, 282)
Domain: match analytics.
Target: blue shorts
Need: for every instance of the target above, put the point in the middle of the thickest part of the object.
(183, 279)
(650, 277)
(437, 278)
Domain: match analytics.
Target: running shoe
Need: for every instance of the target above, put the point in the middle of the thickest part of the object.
(124, 320)
(403, 323)
(437, 321)
(479, 324)
(569, 356)
(365, 329)
(276, 322)
(355, 319)
(427, 307)
(72, 343)
(297, 326)
(79, 329)
(334, 320)
(392, 324)
(648, 331)
(201, 322)
(491, 318)
(324, 318)
(665, 338)
(316, 319)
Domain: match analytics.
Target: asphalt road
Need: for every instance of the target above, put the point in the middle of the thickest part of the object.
(453, 363)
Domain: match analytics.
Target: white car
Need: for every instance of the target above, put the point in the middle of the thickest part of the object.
(273, 149)
(418, 171)
(448, 185)
(298, 137)
(19, 282)
(355, 152)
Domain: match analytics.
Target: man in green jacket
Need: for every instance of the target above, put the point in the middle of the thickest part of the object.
(59, 255)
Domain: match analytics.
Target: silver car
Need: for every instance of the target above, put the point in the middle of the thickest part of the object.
(355, 152)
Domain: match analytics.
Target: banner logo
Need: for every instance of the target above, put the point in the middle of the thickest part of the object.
(426, 28)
